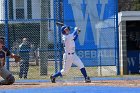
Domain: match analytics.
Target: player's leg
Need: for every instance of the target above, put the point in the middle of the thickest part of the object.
(80, 65)
(21, 69)
(26, 67)
(52, 77)
(66, 66)
(65, 70)
(7, 76)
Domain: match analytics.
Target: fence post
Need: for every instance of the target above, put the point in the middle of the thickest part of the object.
(44, 37)
(60, 45)
(6, 32)
(117, 40)
(55, 38)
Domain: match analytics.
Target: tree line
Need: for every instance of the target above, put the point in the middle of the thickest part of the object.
(128, 5)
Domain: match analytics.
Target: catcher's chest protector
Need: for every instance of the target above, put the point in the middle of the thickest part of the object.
(3, 71)
(2, 54)
(2, 57)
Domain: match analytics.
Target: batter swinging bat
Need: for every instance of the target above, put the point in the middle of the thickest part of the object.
(62, 24)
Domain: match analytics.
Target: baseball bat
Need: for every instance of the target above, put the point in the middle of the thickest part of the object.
(62, 24)
(59, 24)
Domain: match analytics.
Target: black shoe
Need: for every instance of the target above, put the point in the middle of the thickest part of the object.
(1, 83)
(4, 82)
(87, 80)
(25, 77)
(20, 76)
(52, 79)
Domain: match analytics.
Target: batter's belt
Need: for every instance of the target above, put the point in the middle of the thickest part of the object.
(71, 53)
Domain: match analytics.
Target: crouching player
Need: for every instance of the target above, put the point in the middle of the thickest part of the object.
(5, 73)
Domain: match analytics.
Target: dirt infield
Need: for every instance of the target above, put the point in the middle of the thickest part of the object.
(120, 83)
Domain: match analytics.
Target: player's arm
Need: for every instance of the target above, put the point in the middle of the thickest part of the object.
(12, 55)
(16, 57)
(75, 33)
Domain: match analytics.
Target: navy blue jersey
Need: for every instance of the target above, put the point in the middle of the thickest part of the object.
(4, 52)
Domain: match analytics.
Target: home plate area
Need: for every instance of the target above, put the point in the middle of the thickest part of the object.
(112, 85)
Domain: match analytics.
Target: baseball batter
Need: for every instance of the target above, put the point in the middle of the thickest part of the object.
(70, 57)
(5, 74)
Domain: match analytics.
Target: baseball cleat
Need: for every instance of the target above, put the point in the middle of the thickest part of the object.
(52, 79)
(87, 80)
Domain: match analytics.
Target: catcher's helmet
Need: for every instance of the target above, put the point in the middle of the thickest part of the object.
(2, 39)
(63, 29)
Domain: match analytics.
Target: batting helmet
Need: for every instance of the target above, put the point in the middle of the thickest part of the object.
(63, 29)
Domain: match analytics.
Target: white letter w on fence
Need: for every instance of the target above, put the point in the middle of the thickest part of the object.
(91, 13)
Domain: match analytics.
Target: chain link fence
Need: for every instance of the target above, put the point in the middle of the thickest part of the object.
(35, 20)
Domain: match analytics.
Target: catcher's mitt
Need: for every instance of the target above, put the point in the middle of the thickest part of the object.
(17, 58)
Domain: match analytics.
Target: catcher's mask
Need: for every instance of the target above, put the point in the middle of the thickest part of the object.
(1, 40)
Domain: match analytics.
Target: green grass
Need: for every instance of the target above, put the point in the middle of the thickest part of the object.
(34, 72)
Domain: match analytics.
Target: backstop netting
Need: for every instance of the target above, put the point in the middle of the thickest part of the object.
(97, 44)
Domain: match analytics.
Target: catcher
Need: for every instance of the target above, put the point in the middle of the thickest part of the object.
(4, 73)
